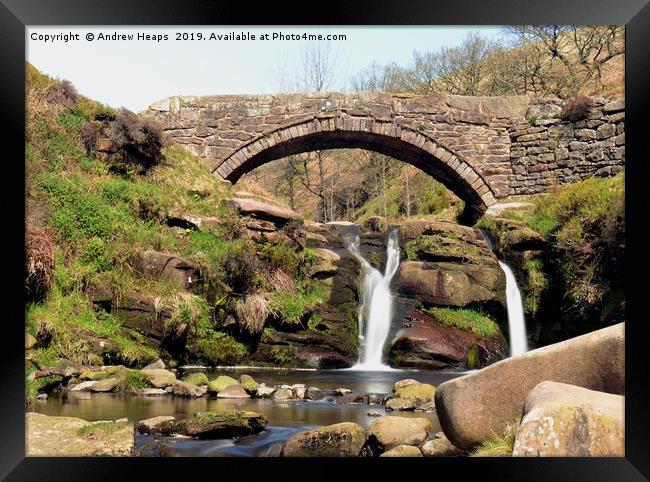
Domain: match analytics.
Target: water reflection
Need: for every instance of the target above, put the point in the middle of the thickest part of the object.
(285, 417)
(292, 414)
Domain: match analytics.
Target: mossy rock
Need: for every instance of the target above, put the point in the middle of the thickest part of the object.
(248, 383)
(221, 382)
(198, 378)
(438, 248)
(401, 404)
(419, 392)
(226, 424)
(106, 385)
(159, 378)
(94, 375)
(340, 440)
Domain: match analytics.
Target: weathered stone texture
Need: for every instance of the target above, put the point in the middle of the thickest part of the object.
(484, 148)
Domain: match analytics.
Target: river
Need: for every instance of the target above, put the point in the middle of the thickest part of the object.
(285, 417)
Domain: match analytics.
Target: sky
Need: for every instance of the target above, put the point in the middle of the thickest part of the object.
(135, 73)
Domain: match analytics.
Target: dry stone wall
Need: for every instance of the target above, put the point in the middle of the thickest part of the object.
(546, 151)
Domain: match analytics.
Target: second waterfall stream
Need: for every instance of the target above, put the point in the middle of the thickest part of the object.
(376, 310)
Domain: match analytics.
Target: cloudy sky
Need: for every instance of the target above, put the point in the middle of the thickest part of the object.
(135, 73)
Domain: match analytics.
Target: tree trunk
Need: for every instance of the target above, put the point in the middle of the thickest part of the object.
(408, 196)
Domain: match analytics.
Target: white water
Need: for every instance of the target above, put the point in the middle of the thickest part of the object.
(516, 322)
(376, 310)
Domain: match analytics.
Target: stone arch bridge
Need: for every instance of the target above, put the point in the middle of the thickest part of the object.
(482, 148)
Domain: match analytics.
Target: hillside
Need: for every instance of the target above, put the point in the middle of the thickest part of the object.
(136, 252)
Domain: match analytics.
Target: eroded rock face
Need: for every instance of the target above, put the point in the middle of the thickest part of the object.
(448, 264)
(423, 342)
(169, 267)
(339, 440)
(450, 284)
(569, 421)
(271, 212)
(471, 407)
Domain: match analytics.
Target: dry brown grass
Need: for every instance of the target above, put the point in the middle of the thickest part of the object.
(39, 273)
(281, 281)
(251, 312)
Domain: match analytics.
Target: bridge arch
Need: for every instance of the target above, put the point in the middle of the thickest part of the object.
(337, 130)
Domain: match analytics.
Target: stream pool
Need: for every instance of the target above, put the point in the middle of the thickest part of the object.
(285, 417)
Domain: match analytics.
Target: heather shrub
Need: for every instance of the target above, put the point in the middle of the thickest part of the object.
(576, 108)
(125, 140)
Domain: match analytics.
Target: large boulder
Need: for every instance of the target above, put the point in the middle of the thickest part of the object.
(420, 392)
(226, 424)
(261, 210)
(409, 396)
(471, 407)
(159, 377)
(264, 391)
(83, 386)
(389, 432)
(339, 440)
(169, 267)
(448, 264)
(198, 378)
(569, 421)
(248, 383)
(283, 394)
(414, 228)
(150, 424)
(452, 284)
(105, 385)
(424, 342)
(220, 383)
(188, 390)
(233, 391)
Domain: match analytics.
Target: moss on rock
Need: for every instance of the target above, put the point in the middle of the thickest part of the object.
(220, 383)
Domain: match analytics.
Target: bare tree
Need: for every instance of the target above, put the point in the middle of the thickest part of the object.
(457, 70)
(315, 72)
(379, 78)
(581, 51)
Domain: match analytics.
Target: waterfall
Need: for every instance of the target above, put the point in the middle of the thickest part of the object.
(376, 310)
(515, 307)
(516, 322)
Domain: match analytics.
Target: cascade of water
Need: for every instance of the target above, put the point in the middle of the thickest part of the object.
(376, 311)
(515, 307)
(516, 322)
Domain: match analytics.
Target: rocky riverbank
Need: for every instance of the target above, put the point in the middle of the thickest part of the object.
(562, 400)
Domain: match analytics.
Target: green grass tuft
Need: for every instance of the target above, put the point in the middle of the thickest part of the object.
(498, 445)
(465, 319)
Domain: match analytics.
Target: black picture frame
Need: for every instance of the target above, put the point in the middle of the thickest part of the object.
(16, 14)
